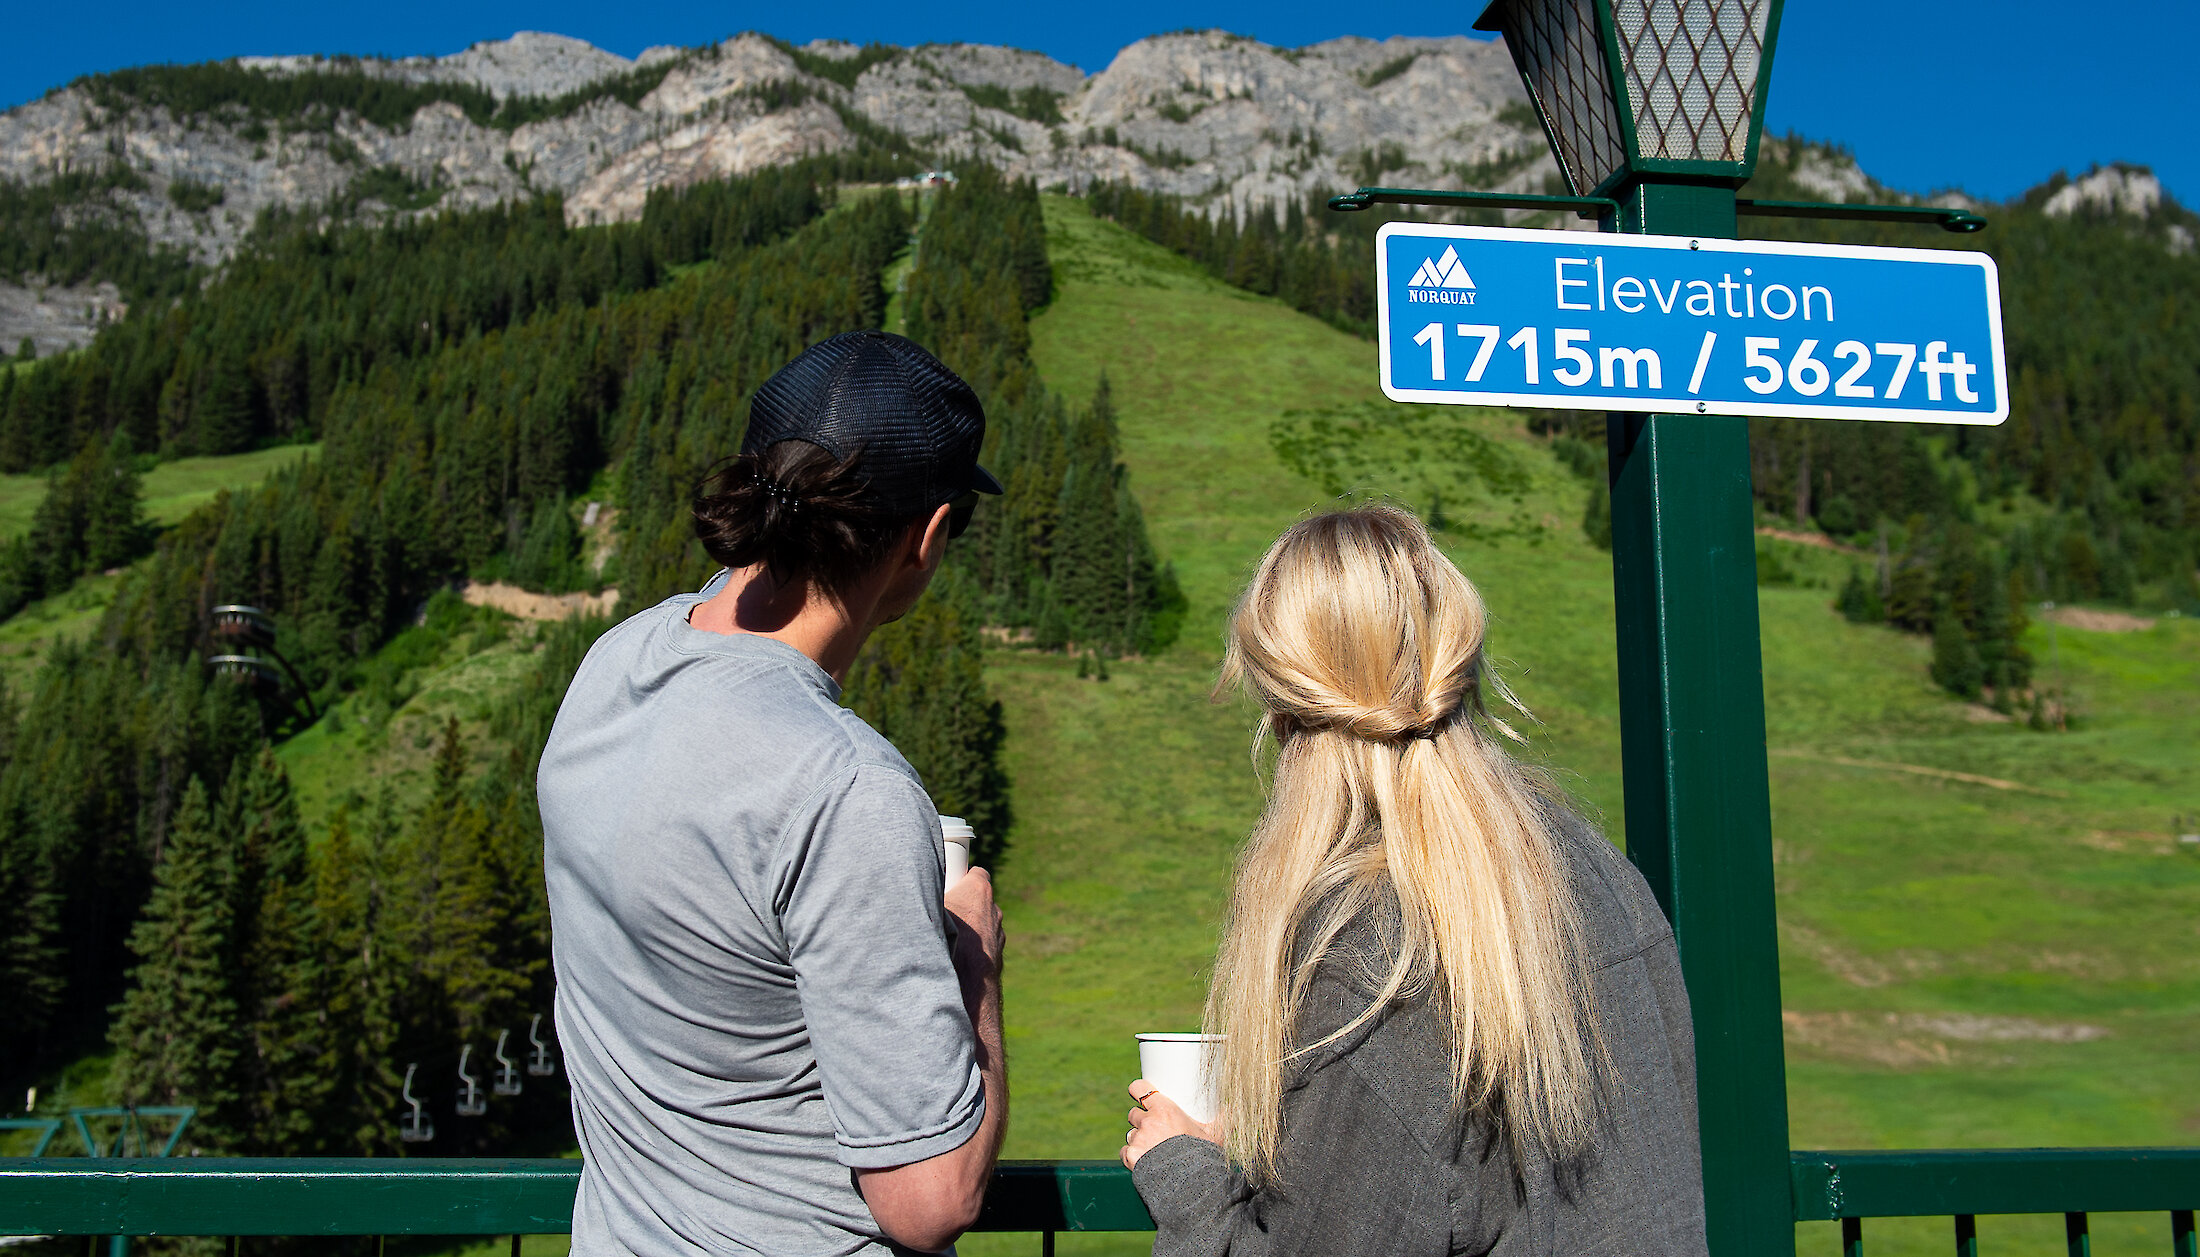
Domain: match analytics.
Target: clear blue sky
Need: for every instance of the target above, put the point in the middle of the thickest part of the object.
(1992, 97)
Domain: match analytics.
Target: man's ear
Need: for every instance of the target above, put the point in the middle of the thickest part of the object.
(931, 539)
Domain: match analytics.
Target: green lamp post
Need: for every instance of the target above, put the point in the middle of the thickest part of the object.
(1657, 106)
(1654, 110)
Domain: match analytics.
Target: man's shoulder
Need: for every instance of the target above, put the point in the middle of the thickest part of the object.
(752, 700)
(843, 747)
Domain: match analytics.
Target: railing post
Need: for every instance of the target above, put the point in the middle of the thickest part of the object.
(1692, 737)
(2077, 1233)
(2182, 1242)
(1966, 1235)
(1852, 1237)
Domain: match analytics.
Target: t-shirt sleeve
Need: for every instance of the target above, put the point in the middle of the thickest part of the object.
(859, 900)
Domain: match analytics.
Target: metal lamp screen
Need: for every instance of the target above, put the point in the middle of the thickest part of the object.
(1554, 42)
(1691, 72)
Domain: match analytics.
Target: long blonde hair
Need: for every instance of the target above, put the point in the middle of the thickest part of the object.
(1364, 646)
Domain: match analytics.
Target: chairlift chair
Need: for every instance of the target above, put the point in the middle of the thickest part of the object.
(471, 1103)
(250, 668)
(416, 1128)
(507, 1081)
(249, 625)
(538, 1061)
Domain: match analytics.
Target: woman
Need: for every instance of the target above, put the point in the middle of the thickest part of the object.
(1455, 1016)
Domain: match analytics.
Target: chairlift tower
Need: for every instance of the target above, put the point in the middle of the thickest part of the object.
(253, 629)
(131, 1136)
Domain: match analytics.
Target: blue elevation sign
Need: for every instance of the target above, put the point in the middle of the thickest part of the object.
(1496, 316)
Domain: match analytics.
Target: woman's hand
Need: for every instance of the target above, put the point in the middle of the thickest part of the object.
(1156, 1118)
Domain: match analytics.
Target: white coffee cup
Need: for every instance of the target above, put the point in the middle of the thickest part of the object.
(956, 835)
(1180, 1066)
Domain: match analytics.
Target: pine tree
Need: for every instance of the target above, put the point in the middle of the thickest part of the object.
(1154, 604)
(547, 556)
(2003, 660)
(1858, 601)
(470, 956)
(285, 1072)
(31, 985)
(115, 530)
(357, 976)
(1088, 546)
(91, 519)
(1910, 604)
(1956, 666)
(175, 1033)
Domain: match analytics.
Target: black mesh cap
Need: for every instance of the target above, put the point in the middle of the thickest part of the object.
(915, 423)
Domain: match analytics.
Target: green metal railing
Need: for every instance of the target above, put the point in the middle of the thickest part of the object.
(47, 1128)
(1849, 1187)
(426, 1196)
(416, 1196)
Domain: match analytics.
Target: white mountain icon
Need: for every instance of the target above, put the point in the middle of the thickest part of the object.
(1443, 272)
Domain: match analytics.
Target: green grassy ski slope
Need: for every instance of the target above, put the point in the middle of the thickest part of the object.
(1963, 964)
(172, 489)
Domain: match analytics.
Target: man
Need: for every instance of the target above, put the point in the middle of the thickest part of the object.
(780, 1041)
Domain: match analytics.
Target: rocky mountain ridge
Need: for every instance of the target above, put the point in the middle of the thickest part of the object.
(1224, 120)
(1207, 115)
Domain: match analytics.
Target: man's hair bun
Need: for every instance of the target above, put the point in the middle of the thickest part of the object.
(797, 510)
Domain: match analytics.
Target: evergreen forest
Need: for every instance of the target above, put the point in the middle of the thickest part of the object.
(468, 378)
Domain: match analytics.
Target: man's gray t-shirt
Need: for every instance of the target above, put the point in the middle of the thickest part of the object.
(755, 994)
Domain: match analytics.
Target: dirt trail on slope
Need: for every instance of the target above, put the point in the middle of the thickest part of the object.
(1912, 1040)
(2100, 621)
(528, 605)
(1818, 540)
(1920, 770)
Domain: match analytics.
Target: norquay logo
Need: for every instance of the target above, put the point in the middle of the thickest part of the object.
(1442, 281)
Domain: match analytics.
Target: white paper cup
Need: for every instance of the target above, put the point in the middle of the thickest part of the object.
(956, 835)
(1180, 1066)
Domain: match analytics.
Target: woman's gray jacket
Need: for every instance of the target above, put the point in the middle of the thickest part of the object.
(1373, 1160)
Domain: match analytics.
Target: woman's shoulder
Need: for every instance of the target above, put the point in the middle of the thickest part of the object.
(1399, 1049)
(1342, 1004)
(1619, 914)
